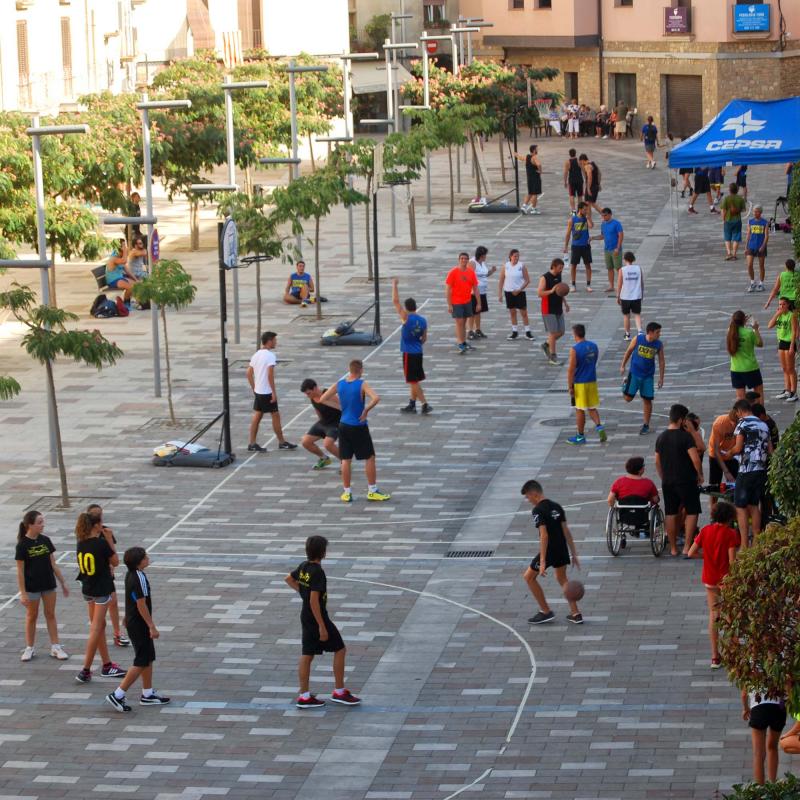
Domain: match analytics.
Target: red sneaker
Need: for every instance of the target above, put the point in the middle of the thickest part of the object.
(716, 663)
(309, 702)
(345, 698)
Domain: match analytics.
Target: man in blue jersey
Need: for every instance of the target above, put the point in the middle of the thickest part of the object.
(354, 437)
(413, 335)
(299, 287)
(582, 384)
(642, 352)
(578, 228)
(755, 246)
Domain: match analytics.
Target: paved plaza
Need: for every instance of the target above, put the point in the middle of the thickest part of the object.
(461, 697)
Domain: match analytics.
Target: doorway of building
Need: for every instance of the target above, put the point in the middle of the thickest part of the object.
(571, 87)
(622, 86)
(684, 103)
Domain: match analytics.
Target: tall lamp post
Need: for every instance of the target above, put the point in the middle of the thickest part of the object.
(149, 218)
(43, 264)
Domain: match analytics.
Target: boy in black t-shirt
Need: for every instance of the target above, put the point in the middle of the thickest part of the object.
(141, 630)
(555, 546)
(320, 635)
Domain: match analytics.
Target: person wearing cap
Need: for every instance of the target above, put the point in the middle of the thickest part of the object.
(756, 247)
(612, 235)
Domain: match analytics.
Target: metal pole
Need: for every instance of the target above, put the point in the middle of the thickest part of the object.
(148, 197)
(41, 239)
(232, 181)
(375, 265)
(426, 101)
(348, 132)
(295, 171)
(223, 317)
(390, 114)
(516, 163)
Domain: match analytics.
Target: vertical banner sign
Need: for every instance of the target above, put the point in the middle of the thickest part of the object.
(155, 248)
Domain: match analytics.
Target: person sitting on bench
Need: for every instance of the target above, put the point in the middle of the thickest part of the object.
(299, 287)
(117, 274)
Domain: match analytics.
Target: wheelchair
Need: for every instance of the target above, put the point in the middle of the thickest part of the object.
(634, 518)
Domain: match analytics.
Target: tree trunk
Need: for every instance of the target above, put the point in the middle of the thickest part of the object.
(166, 361)
(51, 277)
(316, 267)
(311, 153)
(452, 188)
(248, 181)
(412, 218)
(368, 219)
(194, 224)
(476, 168)
(62, 470)
(502, 157)
(258, 305)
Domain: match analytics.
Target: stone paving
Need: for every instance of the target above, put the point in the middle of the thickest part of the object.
(461, 695)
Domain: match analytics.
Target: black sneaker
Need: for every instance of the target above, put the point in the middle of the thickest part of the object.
(411, 408)
(153, 700)
(541, 617)
(513, 335)
(84, 676)
(310, 702)
(346, 698)
(256, 448)
(575, 619)
(119, 705)
(546, 348)
(426, 409)
(528, 335)
(471, 335)
(479, 334)
(287, 446)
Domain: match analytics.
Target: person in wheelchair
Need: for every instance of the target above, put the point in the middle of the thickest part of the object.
(633, 489)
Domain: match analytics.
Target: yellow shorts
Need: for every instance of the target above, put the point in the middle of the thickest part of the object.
(586, 396)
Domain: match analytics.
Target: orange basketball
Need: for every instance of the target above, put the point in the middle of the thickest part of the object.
(573, 590)
(562, 289)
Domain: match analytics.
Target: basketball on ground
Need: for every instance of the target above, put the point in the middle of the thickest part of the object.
(562, 289)
(573, 590)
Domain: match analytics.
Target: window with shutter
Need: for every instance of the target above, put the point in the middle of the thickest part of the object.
(66, 54)
(23, 64)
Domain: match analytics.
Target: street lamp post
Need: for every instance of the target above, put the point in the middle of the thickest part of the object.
(36, 132)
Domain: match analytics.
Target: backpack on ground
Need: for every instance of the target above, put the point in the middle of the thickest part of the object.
(103, 308)
(122, 309)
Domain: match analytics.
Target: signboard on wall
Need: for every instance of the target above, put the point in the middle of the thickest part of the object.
(751, 18)
(676, 20)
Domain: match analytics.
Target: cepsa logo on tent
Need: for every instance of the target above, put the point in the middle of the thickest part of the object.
(741, 126)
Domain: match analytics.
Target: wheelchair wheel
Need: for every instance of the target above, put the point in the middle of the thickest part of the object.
(613, 533)
(658, 534)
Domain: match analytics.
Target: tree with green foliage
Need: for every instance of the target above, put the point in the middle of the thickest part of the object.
(312, 197)
(48, 338)
(794, 218)
(786, 789)
(784, 470)
(8, 387)
(759, 620)
(377, 31)
(169, 286)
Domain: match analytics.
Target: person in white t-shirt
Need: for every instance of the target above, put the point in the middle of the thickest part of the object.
(630, 291)
(260, 376)
(482, 272)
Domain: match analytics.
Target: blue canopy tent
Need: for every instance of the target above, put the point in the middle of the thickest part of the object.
(744, 132)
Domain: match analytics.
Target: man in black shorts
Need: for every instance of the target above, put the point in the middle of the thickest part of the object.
(681, 471)
(533, 174)
(581, 250)
(413, 334)
(591, 183)
(326, 427)
(573, 178)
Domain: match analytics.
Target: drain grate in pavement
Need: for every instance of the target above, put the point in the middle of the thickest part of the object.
(406, 248)
(470, 554)
(52, 502)
(166, 424)
(557, 422)
(446, 220)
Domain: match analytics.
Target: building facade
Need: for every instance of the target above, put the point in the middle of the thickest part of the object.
(680, 62)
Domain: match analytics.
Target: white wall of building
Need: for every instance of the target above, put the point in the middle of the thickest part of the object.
(307, 26)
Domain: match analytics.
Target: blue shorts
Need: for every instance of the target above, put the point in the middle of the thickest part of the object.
(732, 230)
(644, 386)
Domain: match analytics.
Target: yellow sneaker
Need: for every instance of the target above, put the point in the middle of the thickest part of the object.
(378, 496)
(346, 497)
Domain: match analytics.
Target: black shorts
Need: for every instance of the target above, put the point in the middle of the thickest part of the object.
(768, 715)
(322, 431)
(264, 404)
(575, 189)
(715, 474)
(312, 646)
(784, 345)
(681, 494)
(685, 170)
(412, 367)
(144, 651)
(631, 306)
(591, 197)
(484, 305)
(701, 184)
(747, 380)
(750, 488)
(555, 558)
(755, 253)
(741, 180)
(578, 252)
(535, 184)
(516, 300)
(355, 440)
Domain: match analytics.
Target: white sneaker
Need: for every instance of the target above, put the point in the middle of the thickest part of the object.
(56, 651)
(783, 395)
(535, 211)
(523, 208)
(27, 654)
(760, 287)
(751, 288)
(791, 398)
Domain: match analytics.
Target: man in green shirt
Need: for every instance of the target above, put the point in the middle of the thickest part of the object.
(732, 207)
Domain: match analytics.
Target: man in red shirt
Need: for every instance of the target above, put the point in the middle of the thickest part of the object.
(633, 484)
(462, 285)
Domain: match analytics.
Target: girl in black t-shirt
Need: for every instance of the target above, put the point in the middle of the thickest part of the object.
(36, 576)
(96, 556)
